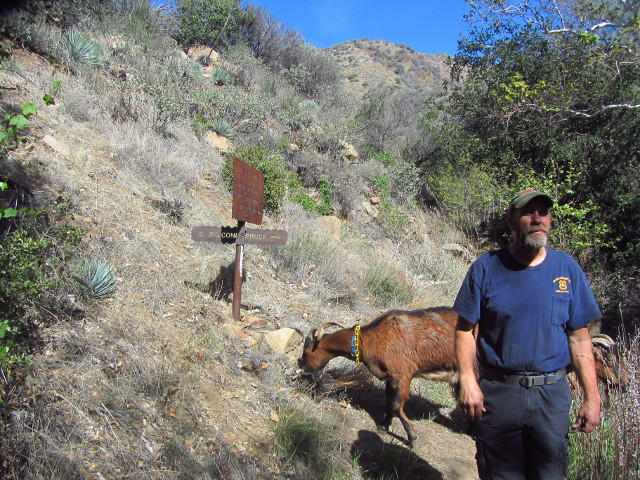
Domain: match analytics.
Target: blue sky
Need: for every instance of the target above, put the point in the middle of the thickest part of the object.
(428, 26)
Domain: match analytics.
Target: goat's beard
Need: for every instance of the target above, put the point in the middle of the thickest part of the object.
(535, 240)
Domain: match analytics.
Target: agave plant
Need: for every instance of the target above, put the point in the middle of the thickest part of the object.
(97, 277)
(81, 49)
(223, 128)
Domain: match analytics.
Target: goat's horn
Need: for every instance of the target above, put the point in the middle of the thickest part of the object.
(602, 339)
(329, 324)
(325, 325)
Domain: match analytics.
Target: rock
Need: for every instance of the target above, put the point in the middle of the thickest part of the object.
(247, 341)
(197, 53)
(57, 146)
(458, 250)
(330, 225)
(283, 340)
(370, 209)
(349, 153)
(255, 322)
(219, 142)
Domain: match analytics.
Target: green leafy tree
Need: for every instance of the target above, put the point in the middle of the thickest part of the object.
(548, 97)
(212, 23)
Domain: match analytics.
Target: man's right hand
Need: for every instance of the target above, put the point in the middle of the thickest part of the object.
(471, 400)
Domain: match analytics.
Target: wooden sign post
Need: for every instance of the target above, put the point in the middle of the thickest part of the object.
(248, 206)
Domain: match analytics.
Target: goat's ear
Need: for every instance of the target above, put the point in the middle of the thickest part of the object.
(594, 327)
(312, 340)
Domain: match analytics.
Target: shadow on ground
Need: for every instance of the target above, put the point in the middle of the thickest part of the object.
(381, 460)
(365, 392)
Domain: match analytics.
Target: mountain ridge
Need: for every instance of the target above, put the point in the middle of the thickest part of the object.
(367, 64)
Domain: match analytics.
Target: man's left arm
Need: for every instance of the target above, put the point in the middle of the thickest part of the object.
(583, 362)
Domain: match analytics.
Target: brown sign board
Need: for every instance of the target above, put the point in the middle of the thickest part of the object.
(248, 193)
(239, 235)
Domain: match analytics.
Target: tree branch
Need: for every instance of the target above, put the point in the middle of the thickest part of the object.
(582, 113)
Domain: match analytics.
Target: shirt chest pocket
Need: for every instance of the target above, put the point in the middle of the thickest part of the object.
(559, 311)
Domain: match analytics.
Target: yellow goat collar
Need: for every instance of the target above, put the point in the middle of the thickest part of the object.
(355, 344)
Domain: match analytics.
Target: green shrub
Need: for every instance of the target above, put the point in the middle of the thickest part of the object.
(273, 167)
(31, 266)
(140, 22)
(27, 270)
(98, 278)
(200, 124)
(321, 204)
(385, 158)
(295, 113)
(386, 286)
(311, 70)
(381, 185)
(13, 124)
(305, 200)
(208, 22)
(406, 184)
(395, 221)
(466, 194)
(324, 205)
(230, 102)
(12, 352)
(220, 76)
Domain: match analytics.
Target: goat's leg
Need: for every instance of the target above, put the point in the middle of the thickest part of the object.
(390, 393)
(397, 393)
(402, 394)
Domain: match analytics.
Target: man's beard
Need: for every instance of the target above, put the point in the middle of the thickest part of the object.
(535, 240)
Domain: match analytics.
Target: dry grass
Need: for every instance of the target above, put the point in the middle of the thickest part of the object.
(158, 382)
(612, 450)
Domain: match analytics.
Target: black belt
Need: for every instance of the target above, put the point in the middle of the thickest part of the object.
(528, 380)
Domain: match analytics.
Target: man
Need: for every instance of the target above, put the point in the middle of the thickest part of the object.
(531, 305)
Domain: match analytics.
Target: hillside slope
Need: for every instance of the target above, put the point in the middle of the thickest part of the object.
(367, 64)
(160, 381)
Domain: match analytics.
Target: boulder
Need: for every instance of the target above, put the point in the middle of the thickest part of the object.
(222, 144)
(197, 52)
(243, 339)
(331, 225)
(348, 153)
(57, 146)
(370, 209)
(283, 340)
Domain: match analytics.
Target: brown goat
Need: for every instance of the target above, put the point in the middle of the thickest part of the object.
(395, 347)
(400, 345)
(610, 367)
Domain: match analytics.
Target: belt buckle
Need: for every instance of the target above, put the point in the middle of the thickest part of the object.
(527, 381)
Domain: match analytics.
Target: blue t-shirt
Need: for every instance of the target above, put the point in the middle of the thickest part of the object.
(524, 312)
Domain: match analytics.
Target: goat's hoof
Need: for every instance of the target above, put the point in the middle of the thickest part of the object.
(384, 426)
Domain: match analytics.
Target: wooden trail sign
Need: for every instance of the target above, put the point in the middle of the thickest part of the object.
(239, 236)
(248, 206)
(248, 192)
